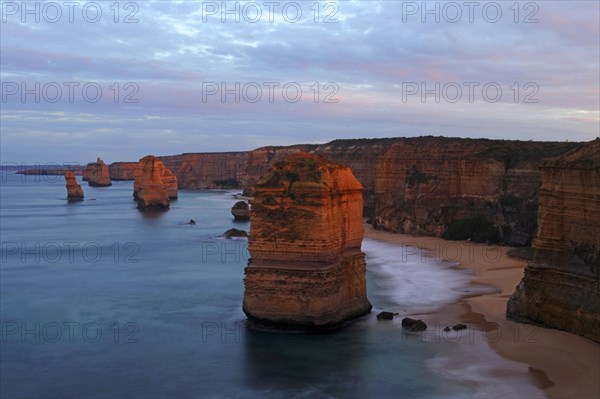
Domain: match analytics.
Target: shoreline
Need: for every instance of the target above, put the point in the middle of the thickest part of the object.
(561, 364)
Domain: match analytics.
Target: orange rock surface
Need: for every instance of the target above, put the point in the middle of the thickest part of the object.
(560, 288)
(96, 174)
(307, 269)
(74, 190)
(122, 170)
(149, 187)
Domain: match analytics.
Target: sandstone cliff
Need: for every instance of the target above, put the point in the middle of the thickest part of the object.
(207, 170)
(307, 270)
(561, 285)
(74, 190)
(421, 185)
(259, 161)
(425, 184)
(122, 170)
(149, 188)
(96, 174)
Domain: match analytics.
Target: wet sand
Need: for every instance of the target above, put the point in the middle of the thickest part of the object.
(564, 365)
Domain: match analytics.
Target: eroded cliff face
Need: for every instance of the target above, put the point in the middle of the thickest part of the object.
(74, 190)
(96, 174)
(149, 188)
(411, 185)
(122, 170)
(207, 170)
(259, 161)
(424, 184)
(307, 269)
(561, 285)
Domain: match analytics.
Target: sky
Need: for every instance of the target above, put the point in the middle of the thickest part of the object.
(121, 80)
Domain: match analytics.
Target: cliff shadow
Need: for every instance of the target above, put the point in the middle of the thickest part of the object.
(310, 363)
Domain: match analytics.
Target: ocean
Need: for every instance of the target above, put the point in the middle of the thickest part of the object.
(99, 300)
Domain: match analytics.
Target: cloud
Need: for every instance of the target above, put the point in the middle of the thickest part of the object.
(370, 53)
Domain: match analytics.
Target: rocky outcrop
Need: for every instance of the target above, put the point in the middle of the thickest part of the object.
(421, 185)
(74, 190)
(241, 211)
(207, 170)
(561, 284)
(169, 183)
(307, 269)
(425, 184)
(259, 161)
(96, 174)
(122, 170)
(149, 188)
(235, 233)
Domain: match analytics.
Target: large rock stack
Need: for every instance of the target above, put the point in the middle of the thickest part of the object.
(96, 174)
(307, 269)
(74, 190)
(154, 184)
(561, 285)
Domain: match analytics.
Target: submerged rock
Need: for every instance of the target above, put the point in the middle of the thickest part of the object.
(241, 211)
(231, 233)
(385, 315)
(413, 325)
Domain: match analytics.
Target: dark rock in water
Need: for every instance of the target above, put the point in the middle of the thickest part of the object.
(412, 325)
(241, 211)
(386, 315)
(446, 328)
(192, 222)
(235, 233)
(458, 327)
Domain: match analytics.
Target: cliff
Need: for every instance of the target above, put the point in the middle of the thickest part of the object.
(207, 170)
(149, 188)
(74, 190)
(423, 185)
(96, 174)
(435, 185)
(307, 270)
(561, 284)
(122, 170)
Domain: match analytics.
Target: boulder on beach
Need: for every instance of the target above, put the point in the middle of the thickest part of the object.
(413, 325)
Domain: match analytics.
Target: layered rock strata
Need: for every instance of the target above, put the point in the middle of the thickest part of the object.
(561, 285)
(74, 190)
(415, 185)
(122, 170)
(96, 174)
(150, 187)
(307, 269)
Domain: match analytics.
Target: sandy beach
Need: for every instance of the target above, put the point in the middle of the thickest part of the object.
(562, 364)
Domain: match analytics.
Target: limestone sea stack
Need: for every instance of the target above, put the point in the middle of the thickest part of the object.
(241, 211)
(74, 190)
(96, 174)
(149, 187)
(307, 270)
(560, 288)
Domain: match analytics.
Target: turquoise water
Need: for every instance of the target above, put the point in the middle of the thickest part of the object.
(100, 300)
